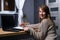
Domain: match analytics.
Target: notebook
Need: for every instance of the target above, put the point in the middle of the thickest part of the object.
(17, 29)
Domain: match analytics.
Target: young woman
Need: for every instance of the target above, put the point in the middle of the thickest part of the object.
(45, 29)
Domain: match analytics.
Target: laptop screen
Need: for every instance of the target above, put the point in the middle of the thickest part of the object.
(8, 21)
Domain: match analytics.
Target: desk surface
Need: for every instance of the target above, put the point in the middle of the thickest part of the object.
(7, 33)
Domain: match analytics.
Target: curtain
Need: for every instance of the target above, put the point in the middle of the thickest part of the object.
(19, 5)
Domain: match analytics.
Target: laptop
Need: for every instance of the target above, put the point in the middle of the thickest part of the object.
(9, 23)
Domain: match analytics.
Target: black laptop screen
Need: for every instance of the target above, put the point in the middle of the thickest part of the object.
(8, 21)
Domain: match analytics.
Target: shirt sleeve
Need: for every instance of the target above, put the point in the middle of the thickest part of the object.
(43, 27)
(51, 34)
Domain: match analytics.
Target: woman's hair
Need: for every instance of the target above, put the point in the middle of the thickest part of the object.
(45, 9)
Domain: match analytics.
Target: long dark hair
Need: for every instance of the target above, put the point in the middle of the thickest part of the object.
(45, 9)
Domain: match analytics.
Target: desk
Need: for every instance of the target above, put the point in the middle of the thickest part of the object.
(22, 35)
(7, 33)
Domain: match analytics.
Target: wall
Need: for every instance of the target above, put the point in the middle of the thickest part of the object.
(37, 3)
(28, 9)
(59, 18)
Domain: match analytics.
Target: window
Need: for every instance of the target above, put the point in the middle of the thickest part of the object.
(9, 5)
(54, 9)
(6, 5)
(50, 1)
(0, 5)
(53, 18)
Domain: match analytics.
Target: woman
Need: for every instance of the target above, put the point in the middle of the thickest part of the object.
(45, 30)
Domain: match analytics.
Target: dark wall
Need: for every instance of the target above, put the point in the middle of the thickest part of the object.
(37, 3)
(28, 9)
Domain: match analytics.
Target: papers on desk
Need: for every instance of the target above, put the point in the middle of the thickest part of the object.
(19, 27)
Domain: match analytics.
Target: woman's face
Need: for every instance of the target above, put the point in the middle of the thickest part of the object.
(42, 14)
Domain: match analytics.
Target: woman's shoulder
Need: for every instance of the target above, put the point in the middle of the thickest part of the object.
(47, 21)
(44, 22)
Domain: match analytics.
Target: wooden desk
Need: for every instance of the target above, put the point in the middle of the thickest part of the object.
(22, 35)
(7, 33)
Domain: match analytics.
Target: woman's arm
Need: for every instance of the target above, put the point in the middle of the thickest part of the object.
(42, 27)
(49, 31)
(51, 34)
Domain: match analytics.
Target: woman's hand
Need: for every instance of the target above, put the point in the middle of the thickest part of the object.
(26, 28)
(22, 24)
